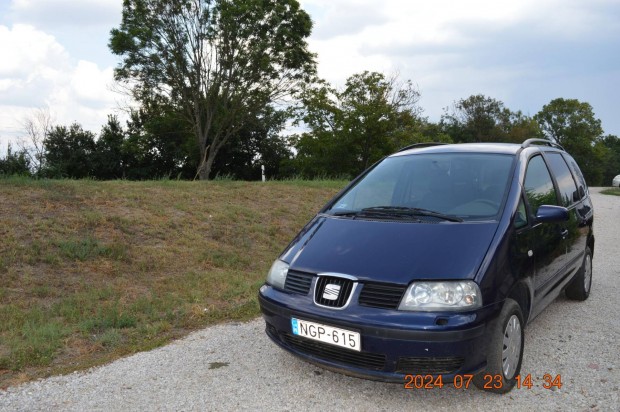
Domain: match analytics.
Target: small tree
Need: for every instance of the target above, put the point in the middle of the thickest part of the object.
(15, 163)
(36, 127)
(69, 152)
(108, 155)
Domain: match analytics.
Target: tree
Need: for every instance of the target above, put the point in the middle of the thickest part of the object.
(479, 118)
(572, 124)
(612, 157)
(258, 144)
(566, 121)
(158, 144)
(351, 129)
(108, 157)
(69, 152)
(36, 126)
(219, 61)
(15, 163)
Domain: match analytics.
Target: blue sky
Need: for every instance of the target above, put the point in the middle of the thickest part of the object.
(522, 52)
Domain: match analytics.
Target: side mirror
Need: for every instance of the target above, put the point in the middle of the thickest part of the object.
(551, 214)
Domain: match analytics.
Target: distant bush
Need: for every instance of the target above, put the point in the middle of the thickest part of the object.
(15, 163)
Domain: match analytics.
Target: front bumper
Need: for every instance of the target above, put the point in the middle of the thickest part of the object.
(394, 343)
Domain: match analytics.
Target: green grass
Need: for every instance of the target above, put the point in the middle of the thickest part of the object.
(91, 271)
(614, 191)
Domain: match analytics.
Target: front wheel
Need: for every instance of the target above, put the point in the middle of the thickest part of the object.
(505, 352)
(579, 287)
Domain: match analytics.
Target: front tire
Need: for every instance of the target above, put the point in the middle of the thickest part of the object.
(579, 287)
(505, 352)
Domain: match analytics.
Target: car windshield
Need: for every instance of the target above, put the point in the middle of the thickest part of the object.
(445, 186)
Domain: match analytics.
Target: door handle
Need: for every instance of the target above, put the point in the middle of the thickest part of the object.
(564, 233)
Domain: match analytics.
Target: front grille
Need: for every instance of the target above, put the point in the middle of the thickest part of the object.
(340, 290)
(365, 360)
(298, 282)
(434, 366)
(380, 295)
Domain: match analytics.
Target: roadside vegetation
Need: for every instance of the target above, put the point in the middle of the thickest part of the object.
(614, 191)
(92, 271)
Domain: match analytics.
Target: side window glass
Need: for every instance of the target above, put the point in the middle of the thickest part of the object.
(538, 184)
(566, 184)
(521, 215)
(581, 182)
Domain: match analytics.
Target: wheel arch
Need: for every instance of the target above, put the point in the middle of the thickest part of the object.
(521, 294)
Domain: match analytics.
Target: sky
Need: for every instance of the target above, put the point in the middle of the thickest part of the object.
(54, 54)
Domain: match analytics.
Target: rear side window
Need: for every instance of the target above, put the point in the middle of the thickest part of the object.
(566, 184)
(538, 185)
(576, 172)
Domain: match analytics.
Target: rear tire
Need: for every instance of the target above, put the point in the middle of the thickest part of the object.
(505, 352)
(579, 287)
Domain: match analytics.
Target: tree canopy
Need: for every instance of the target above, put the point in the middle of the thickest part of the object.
(349, 129)
(573, 124)
(479, 118)
(218, 61)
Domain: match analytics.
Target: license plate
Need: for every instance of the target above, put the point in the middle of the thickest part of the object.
(327, 334)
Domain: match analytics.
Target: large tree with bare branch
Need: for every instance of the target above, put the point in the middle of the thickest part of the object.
(219, 62)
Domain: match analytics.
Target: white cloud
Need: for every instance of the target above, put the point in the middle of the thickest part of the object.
(91, 86)
(36, 72)
(24, 49)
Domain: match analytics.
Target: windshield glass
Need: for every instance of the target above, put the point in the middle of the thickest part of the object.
(464, 185)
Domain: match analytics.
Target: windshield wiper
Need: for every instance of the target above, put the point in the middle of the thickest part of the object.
(385, 214)
(345, 213)
(411, 211)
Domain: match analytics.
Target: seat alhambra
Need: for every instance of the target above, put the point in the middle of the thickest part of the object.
(432, 262)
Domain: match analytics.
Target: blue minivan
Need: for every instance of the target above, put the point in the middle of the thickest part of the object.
(432, 261)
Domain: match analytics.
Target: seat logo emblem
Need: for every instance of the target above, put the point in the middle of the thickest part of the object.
(331, 291)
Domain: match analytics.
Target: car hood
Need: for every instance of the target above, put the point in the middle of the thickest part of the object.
(387, 251)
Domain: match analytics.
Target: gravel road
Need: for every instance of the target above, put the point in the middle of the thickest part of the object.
(234, 366)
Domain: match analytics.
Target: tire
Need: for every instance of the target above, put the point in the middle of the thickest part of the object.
(579, 287)
(507, 328)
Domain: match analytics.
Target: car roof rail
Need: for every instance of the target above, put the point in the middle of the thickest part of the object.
(531, 142)
(419, 145)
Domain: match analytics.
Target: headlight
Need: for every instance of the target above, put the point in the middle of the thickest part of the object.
(452, 295)
(277, 274)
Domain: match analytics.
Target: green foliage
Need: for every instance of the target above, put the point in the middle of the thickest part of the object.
(257, 143)
(89, 248)
(108, 157)
(614, 191)
(612, 158)
(572, 124)
(69, 152)
(353, 128)
(219, 62)
(15, 163)
(479, 118)
(158, 144)
(568, 120)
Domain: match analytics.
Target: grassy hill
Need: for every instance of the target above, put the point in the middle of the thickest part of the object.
(91, 271)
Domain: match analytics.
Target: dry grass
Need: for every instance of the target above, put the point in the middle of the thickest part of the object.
(91, 271)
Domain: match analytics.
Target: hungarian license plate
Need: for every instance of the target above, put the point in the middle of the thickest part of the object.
(327, 334)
